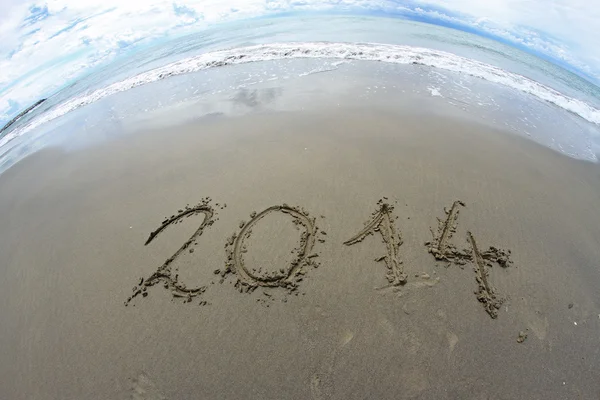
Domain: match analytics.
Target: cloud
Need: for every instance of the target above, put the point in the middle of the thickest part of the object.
(558, 29)
(183, 10)
(47, 44)
(36, 14)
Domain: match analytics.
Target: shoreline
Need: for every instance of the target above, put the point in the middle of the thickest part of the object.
(20, 115)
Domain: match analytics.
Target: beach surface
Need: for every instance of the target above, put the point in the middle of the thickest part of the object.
(399, 257)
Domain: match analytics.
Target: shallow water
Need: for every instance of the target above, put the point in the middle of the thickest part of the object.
(459, 62)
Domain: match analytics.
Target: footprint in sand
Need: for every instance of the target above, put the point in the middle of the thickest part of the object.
(452, 341)
(321, 383)
(142, 388)
(532, 311)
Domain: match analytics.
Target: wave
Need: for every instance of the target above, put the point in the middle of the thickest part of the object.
(396, 54)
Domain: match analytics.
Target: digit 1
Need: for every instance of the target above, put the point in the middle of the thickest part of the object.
(383, 223)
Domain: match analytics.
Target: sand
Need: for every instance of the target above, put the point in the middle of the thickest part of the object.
(345, 254)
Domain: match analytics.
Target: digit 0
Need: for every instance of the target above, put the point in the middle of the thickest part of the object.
(287, 278)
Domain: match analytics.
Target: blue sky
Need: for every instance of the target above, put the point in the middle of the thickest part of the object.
(46, 44)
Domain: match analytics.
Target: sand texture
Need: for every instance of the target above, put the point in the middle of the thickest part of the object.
(342, 254)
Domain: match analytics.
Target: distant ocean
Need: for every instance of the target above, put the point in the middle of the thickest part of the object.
(336, 39)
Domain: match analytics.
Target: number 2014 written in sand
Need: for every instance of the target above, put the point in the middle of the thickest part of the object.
(289, 278)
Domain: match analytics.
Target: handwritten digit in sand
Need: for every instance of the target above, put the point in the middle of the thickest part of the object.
(164, 273)
(440, 246)
(285, 277)
(383, 223)
(485, 293)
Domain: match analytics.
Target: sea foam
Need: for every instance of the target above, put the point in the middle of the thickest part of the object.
(342, 51)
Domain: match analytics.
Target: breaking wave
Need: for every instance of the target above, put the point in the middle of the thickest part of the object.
(342, 51)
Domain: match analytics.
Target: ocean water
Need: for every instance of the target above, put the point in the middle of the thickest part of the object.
(506, 86)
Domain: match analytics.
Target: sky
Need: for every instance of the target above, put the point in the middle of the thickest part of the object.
(46, 44)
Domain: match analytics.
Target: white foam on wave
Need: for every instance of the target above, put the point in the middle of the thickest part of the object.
(434, 91)
(343, 51)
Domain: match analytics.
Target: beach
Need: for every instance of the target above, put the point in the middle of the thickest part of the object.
(300, 310)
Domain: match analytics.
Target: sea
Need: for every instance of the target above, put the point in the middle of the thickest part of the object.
(295, 62)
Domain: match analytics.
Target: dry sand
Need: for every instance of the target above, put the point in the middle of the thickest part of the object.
(289, 310)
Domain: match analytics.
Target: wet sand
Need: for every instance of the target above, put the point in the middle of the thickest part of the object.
(345, 254)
